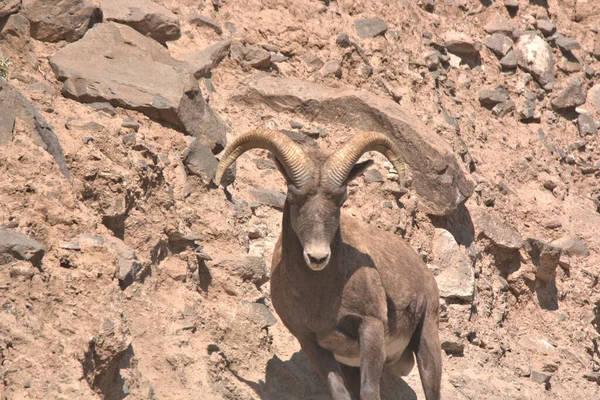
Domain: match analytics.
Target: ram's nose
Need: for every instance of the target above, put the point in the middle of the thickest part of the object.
(317, 257)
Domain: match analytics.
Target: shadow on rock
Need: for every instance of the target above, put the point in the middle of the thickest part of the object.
(296, 379)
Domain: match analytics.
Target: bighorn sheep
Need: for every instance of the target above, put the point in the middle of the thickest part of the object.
(353, 296)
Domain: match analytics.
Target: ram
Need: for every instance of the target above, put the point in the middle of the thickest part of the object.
(359, 300)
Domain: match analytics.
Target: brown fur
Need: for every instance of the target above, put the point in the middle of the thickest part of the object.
(373, 290)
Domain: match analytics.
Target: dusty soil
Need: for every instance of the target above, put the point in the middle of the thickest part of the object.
(191, 326)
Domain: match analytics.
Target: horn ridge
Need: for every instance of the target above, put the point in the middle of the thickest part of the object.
(290, 155)
(340, 163)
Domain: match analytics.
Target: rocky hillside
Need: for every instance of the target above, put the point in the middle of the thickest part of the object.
(126, 273)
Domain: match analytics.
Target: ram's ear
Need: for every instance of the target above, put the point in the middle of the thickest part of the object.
(358, 169)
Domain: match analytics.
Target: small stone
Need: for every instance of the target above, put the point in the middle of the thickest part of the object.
(455, 277)
(254, 56)
(202, 21)
(570, 97)
(495, 230)
(452, 347)
(490, 97)
(248, 268)
(387, 204)
(546, 27)
(511, 3)
(535, 56)
(592, 377)
(502, 109)
(541, 377)
(104, 107)
(261, 314)
(267, 197)
(589, 72)
(370, 27)
(460, 43)
(313, 133)
(331, 68)
(69, 245)
(373, 175)
(509, 61)
(427, 5)
(343, 40)
(550, 367)
(565, 43)
(498, 24)
(130, 123)
(17, 245)
(586, 125)
(129, 139)
(313, 62)
(554, 224)
(300, 137)
(296, 124)
(200, 161)
(499, 44)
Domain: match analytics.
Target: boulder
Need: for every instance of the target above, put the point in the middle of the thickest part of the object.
(145, 16)
(455, 278)
(16, 107)
(17, 245)
(437, 177)
(200, 161)
(53, 20)
(8, 7)
(535, 56)
(116, 64)
(201, 63)
(370, 27)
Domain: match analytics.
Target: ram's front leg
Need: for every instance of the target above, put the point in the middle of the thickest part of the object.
(372, 357)
(327, 367)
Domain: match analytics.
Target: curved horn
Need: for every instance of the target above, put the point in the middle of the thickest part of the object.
(289, 154)
(340, 163)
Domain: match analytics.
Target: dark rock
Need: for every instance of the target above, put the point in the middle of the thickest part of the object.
(8, 7)
(16, 107)
(91, 126)
(129, 139)
(373, 175)
(267, 197)
(115, 63)
(509, 61)
(200, 161)
(130, 123)
(589, 72)
(313, 62)
(570, 64)
(490, 97)
(127, 262)
(546, 27)
(541, 377)
(456, 277)
(261, 315)
(452, 347)
(427, 5)
(535, 56)
(53, 20)
(249, 268)
(300, 137)
(511, 3)
(499, 44)
(495, 230)
(502, 109)
(437, 179)
(592, 377)
(586, 125)
(202, 21)
(201, 63)
(565, 43)
(370, 27)
(343, 40)
(16, 245)
(498, 24)
(527, 112)
(252, 56)
(554, 224)
(296, 124)
(104, 107)
(570, 97)
(145, 16)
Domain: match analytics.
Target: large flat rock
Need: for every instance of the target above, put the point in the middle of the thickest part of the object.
(114, 63)
(68, 20)
(437, 177)
(16, 107)
(145, 16)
